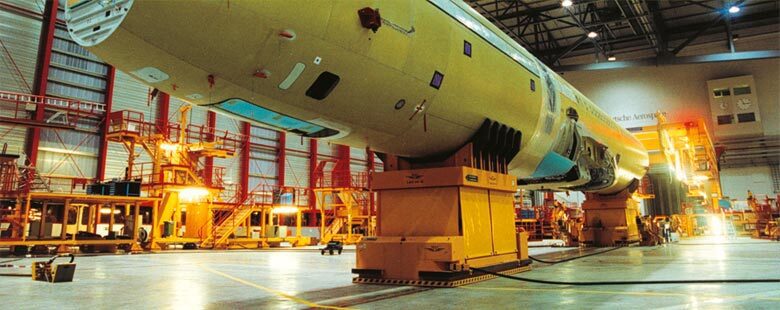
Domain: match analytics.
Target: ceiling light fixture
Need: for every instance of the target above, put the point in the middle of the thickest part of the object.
(566, 3)
(592, 34)
(734, 9)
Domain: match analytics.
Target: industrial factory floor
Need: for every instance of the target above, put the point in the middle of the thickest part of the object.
(304, 278)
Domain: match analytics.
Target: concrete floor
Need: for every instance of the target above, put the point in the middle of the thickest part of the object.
(303, 279)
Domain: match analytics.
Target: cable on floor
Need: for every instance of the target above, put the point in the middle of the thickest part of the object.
(570, 258)
(12, 260)
(649, 282)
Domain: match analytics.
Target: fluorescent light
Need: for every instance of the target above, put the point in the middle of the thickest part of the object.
(169, 147)
(193, 194)
(566, 3)
(611, 58)
(734, 9)
(284, 210)
(592, 34)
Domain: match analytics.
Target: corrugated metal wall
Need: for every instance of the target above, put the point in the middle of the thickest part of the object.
(75, 74)
(262, 159)
(297, 166)
(19, 35)
(232, 165)
(129, 94)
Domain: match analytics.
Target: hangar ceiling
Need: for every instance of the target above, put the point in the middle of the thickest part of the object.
(629, 29)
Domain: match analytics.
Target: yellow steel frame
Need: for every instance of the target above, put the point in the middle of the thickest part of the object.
(81, 201)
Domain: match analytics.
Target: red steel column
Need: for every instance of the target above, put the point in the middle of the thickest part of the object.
(109, 102)
(42, 75)
(371, 168)
(208, 169)
(246, 130)
(313, 158)
(342, 169)
(163, 113)
(281, 158)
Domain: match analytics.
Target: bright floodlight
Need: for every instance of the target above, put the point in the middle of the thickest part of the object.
(592, 34)
(612, 58)
(734, 9)
(566, 3)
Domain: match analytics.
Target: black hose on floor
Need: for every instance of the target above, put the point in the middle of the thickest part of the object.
(570, 258)
(650, 282)
(16, 275)
(12, 260)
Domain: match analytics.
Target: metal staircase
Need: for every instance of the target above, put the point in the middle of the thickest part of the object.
(330, 233)
(731, 232)
(31, 181)
(225, 227)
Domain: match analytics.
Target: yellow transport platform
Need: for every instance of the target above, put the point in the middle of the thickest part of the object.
(434, 224)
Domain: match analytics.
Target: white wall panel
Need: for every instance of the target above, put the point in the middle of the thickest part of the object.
(296, 171)
(356, 153)
(737, 181)
(298, 143)
(326, 149)
(20, 37)
(130, 94)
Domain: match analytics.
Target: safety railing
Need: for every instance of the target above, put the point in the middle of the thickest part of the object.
(60, 112)
(129, 122)
(75, 106)
(134, 122)
(223, 139)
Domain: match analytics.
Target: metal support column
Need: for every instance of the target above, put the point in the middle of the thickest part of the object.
(246, 130)
(163, 113)
(208, 171)
(312, 182)
(281, 156)
(103, 151)
(42, 75)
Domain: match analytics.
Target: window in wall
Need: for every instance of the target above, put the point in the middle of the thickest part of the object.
(725, 119)
(746, 117)
(720, 92)
(741, 90)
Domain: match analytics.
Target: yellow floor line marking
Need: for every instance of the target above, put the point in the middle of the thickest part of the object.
(270, 290)
(611, 292)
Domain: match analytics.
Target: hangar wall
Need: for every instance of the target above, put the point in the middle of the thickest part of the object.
(737, 181)
(632, 95)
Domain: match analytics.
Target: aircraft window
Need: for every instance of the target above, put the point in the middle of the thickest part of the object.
(509, 48)
(323, 85)
(267, 117)
(437, 79)
(466, 48)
